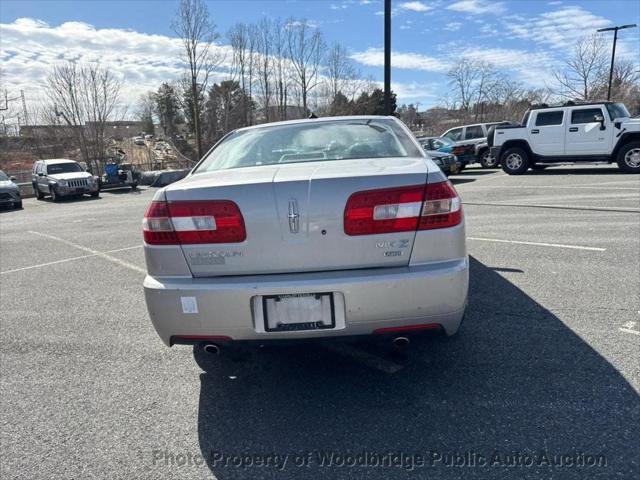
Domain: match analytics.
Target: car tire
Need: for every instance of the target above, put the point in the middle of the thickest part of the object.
(629, 158)
(55, 197)
(95, 194)
(515, 161)
(487, 161)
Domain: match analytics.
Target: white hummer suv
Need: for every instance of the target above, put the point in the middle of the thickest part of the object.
(573, 132)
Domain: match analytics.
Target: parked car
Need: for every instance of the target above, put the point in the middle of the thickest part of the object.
(447, 162)
(138, 140)
(9, 192)
(572, 132)
(471, 143)
(62, 178)
(307, 229)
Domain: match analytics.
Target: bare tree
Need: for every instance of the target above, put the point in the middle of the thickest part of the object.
(238, 36)
(264, 62)
(252, 44)
(305, 46)
(193, 25)
(145, 111)
(583, 71)
(340, 72)
(281, 68)
(473, 82)
(85, 97)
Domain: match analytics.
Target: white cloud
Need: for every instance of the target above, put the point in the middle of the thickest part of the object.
(559, 28)
(374, 57)
(30, 48)
(477, 7)
(415, 6)
(453, 26)
(534, 69)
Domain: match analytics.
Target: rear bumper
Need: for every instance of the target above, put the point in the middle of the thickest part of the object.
(366, 300)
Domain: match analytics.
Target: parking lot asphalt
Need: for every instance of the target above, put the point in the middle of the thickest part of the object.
(541, 381)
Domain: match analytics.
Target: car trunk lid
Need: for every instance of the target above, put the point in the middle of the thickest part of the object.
(294, 216)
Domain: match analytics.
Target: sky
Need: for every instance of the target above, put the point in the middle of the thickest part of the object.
(525, 39)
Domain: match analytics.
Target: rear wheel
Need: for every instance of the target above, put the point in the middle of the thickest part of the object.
(487, 160)
(95, 194)
(515, 161)
(629, 158)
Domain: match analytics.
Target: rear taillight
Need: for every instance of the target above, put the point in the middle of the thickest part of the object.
(193, 222)
(402, 209)
(441, 208)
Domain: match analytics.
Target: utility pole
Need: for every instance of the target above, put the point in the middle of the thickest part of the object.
(24, 108)
(387, 57)
(613, 53)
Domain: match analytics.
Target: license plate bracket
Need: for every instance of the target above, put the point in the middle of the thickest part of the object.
(296, 312)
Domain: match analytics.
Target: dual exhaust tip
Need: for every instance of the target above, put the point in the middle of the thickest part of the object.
(398, 342)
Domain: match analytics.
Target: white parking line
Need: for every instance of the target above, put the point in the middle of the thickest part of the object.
(93, 252)
(558, 207)
(556, 187)
(630, 327)
(65, 260)
(538, 244)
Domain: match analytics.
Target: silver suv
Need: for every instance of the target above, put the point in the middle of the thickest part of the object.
(62, 178)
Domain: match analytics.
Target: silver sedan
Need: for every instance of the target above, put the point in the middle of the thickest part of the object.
(305, 229)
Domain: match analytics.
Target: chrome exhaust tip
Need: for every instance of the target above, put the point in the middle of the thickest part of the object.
(212, 349)
(400, 342)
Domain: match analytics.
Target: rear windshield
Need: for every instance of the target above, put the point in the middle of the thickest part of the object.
(54, 168)
(311, 142)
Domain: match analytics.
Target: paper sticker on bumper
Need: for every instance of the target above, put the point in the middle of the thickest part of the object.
(189, 304)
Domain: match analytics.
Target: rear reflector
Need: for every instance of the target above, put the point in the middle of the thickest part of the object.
(408, 328)
(403, 209)
(193, 222)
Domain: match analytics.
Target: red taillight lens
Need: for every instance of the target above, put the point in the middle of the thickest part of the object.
(403, 209)
(156, 225)
(383, 211)
(193, 222)
(442, 207)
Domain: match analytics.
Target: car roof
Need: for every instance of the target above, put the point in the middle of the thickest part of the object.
(57, 160)
(317, 120)
(571, 104)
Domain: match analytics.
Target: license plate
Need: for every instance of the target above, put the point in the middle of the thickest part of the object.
(294, 312)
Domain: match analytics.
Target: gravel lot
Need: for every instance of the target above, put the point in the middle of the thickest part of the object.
(543, 371)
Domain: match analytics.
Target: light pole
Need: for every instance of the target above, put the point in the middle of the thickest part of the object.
(613, 54)
(387, 57)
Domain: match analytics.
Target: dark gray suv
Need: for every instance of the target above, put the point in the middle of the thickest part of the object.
(62, 178)
(9, 192)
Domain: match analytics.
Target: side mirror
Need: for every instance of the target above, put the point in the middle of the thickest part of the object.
(13, 179)
(599, 119)
(40, 174)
